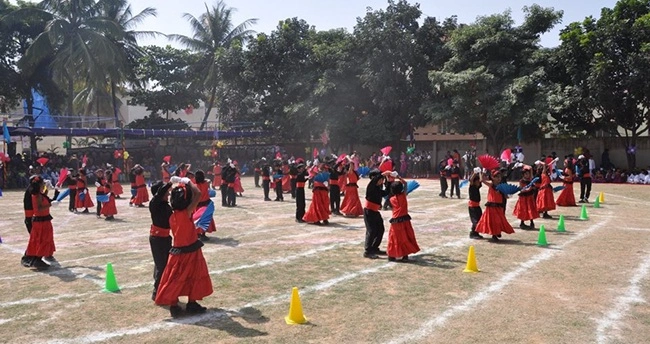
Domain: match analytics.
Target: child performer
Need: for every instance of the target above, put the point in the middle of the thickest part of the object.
(159, 239)
(186, 273)
(26, 260)
(99, 183)
(545, 200)
(474, 204)
(108, 209)
(277, 180)
(142, 194)
(526, 207)
(204, 186)
(566, 197)
(351, 206)
(319, 209)
(301, 178)
(41, 237)
(116, 187)
(455, 179)
(83, 199)
(493, 221)
(335, 189)
(401, 237)
(375, 193)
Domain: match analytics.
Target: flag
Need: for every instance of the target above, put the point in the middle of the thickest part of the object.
(5, 132)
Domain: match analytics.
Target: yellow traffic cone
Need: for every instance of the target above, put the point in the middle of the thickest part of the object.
(295, 310)
(601, 197)
(471, 261)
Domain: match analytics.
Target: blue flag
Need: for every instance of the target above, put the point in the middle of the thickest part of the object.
(5, 132)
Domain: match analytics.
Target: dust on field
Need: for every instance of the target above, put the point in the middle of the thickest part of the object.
(259, 253)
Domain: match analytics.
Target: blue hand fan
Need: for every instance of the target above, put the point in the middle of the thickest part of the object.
(134, 192)
(212, 193)
(277, 176)
(63, 195)
(363, 171)
(532, 182)
(322, 177)
(102, 198)
(411, 185)
(171, 169)
(558, 188)
(203, 216)
(463, 183)
(508, 189)
(82, 196)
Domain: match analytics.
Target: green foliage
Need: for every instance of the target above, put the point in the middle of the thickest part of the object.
(157, 122)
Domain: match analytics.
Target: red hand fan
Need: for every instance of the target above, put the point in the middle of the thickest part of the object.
(386, 150)
(488, 162)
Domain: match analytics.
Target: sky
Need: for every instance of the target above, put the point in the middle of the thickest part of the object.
(330, 14)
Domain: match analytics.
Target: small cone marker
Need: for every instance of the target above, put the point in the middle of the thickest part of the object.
(583, 213)
(597, 202)
(471, 261)
(601, 197)
(541, 239)
(111, 283)
(560, 224)
(295, 310)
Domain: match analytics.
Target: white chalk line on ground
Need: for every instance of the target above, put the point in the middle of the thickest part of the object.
(214, 315)
(429, 326)
(608, 325)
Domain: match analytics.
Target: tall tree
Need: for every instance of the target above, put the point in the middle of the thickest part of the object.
(495, 81)
(213, 33)
(603, 76)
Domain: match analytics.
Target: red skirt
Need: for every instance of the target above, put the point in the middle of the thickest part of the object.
(216, 182)
(566, 197)
(109, 208)
(141, 196)
(401, 240)
(116, 188)
(87, 201)
(494, 222)
(526, 209)
(545, 200)
(238, 187)
(286, 183)
(351, 205)
(41, 240)
(186, 274)
(319, 209)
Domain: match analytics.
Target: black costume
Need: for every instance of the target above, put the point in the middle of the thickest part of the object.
(443, 178)
(266, 181)
(455, 181)
(301, 178)
(585, 180)
(335, 191)
(159, 238)
(372, 217)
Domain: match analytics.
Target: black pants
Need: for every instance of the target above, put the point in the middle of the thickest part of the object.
(231, 198)
(300, 203)
(335, 198)
(475, 214)
(374, 230)
(455, 186)
(278, 190)
(224, 195)
(293, 187)
(160, 247)
(256, 177)
(73, 195)
(443, 186)
(266, 185)
(585, 188)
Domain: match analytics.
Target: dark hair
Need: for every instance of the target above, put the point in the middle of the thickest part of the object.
(181, 197)
(396, 188)
(199, 176)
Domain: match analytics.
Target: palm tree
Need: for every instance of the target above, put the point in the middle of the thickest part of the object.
(213, 34)
(80, 41)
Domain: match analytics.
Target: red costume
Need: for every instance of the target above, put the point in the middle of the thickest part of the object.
(545, 200)
(319, 209)
(401, 237)
(116, 187)
(186, 273)
(108, 208)
(41, 237)
(203, 202)
(566, 197)
(83, 199)
(216, 171)
(351, 205)
(142, 194)
(526, 207)
(493, 221)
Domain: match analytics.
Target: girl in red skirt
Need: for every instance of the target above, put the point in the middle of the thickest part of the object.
(41, 237)
(83, 199)
(186, 273)
(108, 209)
(401, 237)
(142, 194)
(526, 207)
(204, 187)
(351, 205)
(319, 209)
(493, 221)
(566, 197)
(545, 200)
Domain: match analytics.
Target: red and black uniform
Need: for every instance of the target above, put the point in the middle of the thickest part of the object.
(493, 221)
(216, 172)
(293, 174)
(256, 174)
(159, 239)
(83, 199)
(134, 189)
(229, 177)
(204, 201)
(372, 217)
(72, 186)
(585, 180)
(108, 209)
(41, 237)
(28, 207)
(278, 179)
(474, 208)
(455, 180)
(351, 205)
(566, 197)
(101, 191)
(319, 209)
(301, 178)
(545, 200)
(335, 191)
(186, 273)
(443, 178)
(116, 187)
(142, 194)
(401, 237)
(526, 207)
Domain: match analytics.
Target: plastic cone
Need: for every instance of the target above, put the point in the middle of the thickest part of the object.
(601, 197)
(541, 239)
(111, 283)
(583, 213)
(471, 261)
(295, 310)
(560, 224)
(597, 202)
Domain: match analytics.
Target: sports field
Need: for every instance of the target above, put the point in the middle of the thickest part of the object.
(590, 285)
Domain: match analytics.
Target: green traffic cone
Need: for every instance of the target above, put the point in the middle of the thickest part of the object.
(111, 283)
(597, 202)
(583, 213)
(541, 239)
(560, 224)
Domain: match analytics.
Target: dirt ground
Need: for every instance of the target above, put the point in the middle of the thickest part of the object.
(590, 285)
